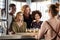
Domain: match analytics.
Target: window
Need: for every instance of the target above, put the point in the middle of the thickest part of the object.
(41, 6)
(2, 4)
(3, 17)
(18, 5)
(33, 6)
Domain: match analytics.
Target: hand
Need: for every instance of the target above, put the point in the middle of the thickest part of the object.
(36, 37)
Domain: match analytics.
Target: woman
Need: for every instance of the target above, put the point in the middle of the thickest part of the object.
(36, 15)
(27, 16)
(46, 29)
(19, 25)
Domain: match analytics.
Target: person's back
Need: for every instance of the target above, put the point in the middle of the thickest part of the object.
(50, 33)
(51, 28)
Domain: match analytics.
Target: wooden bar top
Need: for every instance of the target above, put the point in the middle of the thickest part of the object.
(18, 36)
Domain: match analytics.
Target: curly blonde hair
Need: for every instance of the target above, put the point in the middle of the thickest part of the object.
(24, 8)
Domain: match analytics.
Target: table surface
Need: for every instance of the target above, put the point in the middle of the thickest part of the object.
(19, 36)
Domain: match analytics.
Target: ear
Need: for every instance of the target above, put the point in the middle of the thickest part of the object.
(49, 11)
(10, 8)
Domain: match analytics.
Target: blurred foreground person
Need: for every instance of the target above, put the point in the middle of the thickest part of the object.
(50, 28)
(58, 9)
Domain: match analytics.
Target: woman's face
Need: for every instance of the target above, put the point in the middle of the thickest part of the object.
(37, 17)
(20, 17)
(27, 10)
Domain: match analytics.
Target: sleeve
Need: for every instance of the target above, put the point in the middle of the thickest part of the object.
(42, 30)
(14, 27)
(25, 26)
(32, 25)
(59, 30)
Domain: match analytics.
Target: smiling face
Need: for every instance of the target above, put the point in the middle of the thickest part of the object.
(19, 17)
(27, 10)
(37, 17)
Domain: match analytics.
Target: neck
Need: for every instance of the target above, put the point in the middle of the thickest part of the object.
(52, 17)
(11, 13)
(37, 21)
(26, 15)
(19, 21)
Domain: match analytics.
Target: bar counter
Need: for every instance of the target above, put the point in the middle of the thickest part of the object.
(19, 36)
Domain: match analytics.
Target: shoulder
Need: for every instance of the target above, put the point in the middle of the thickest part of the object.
(41, 21)
(34, 21)
(44, 24)
(24, 23)
(14, 23)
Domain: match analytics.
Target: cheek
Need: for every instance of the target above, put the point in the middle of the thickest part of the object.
(21, 17)
(27, 11)
(37, 17)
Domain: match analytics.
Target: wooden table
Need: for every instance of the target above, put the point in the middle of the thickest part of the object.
(19, 36)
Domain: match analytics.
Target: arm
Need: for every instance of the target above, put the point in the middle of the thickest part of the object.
(24, 27)
(14, 28)
(59, 30)
(32, 25)
(42, 30)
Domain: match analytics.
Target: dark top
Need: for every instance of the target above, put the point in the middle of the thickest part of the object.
(36, 25)
(28, 21)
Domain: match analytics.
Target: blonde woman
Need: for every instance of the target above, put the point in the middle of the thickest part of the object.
(19, 25)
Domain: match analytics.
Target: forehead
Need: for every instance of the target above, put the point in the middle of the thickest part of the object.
(27, 8)
(20, 14)
(13, 7)
(36, 14)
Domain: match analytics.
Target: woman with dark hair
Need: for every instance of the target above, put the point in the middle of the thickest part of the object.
(36, 15)
(50, 28)
(27, 16)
